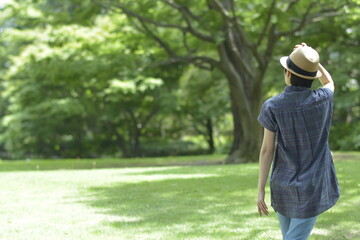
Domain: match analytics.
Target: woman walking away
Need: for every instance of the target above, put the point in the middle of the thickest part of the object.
(303, 182)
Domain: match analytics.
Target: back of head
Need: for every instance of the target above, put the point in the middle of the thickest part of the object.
(298, 81)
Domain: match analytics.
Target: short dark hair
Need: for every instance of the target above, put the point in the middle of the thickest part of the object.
(298, 81)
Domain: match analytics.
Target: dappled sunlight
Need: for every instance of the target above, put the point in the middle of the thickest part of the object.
(221, 202)
(320, 231)
(205, 204)
(339, 230)
(160, 177)
(125, 219)
(346, 204)
(340, 221)
(173, 202)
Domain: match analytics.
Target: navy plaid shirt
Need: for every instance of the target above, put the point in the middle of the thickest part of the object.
(303, 180)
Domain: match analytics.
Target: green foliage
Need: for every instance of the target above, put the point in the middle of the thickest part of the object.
(203, 96)
(74, 79)
(61, 77)
(336, 40)
(168, 147)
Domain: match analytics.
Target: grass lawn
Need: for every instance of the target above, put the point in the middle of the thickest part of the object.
(56, 164)
(159, 202)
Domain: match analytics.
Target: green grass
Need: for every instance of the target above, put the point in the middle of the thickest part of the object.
(169, 202)
(56, 164)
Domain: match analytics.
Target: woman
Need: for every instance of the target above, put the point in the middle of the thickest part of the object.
(303, 181)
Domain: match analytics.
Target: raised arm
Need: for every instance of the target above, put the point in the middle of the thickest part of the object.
(326, 79)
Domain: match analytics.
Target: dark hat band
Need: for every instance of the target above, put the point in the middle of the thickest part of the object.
(298, 70)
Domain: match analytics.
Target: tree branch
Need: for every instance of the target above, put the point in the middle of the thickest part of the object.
(232, 7)
(198, 61)
(301, 24)
(157, 39)
(334, 9)
(267, 22)
(234, 48)
(189, 28)
(272, 39)
(291, 4)
(189, 50)
(182, 8)
(132, 117)
(232, 21)
(150, 115)
(130, 13)
(326, 12)
(223, 11)
(318, 16)
(185, 12)
(231, 73)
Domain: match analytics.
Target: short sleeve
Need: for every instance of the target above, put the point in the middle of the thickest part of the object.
(266, 118)
(323, 93)
(327, 92)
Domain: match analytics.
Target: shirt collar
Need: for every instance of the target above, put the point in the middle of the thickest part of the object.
(296, 89)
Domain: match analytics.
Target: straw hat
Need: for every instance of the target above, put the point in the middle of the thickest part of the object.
(303, 62)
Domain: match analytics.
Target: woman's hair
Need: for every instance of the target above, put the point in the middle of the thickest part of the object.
(297, 81)
(300, 82)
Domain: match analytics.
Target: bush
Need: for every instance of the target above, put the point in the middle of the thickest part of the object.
(159, 148)
(345, 137)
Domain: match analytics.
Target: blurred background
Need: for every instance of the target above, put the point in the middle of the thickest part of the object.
(141, 78)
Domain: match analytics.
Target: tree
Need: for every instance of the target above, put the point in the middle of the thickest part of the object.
(138, 101)
(73, 90)
(203, 102)
(237, 38)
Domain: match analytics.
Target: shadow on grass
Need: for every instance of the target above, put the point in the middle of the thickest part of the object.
(342, 221)
(184, 206)
(216, 205)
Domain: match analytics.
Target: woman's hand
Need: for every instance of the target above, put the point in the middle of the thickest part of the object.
(300, 45)
(261, 203)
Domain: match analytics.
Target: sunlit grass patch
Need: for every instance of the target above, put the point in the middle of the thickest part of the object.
(169, 202)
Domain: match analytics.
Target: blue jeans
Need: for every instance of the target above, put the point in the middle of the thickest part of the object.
(296, 228)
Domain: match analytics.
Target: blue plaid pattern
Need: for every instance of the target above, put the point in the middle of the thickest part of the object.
(303, 180)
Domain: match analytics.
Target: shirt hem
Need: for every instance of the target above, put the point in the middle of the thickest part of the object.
(301, 216)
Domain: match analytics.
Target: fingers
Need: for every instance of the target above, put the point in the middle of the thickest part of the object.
(259, 211)
(300, 45)
(262, 208)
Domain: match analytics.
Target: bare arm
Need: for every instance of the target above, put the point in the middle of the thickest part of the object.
(326, 79)
(265, 160)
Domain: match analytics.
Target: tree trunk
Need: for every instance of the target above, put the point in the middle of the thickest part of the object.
(210, 135)
(79, 144)
(246, 97)
(247, 132)
(119, 139)
(136, 150)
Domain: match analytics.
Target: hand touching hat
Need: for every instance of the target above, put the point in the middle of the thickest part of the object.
(303, 62)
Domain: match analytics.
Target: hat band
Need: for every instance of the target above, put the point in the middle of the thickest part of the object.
(298, 70)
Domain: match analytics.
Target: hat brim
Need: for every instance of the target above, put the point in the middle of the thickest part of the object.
(284, 64)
